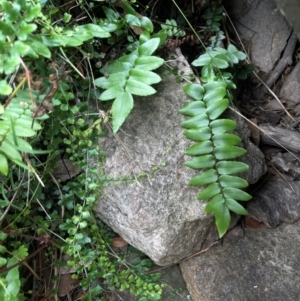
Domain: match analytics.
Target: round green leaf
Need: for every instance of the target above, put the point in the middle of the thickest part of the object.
(228, 152)
(231, 167)
(207, 177)
(5, 88)
(198, 162)
(201, 148)
(193, 108)
(200, 134)
(236, 207)
(197, 121)
(222, 125)
(217, 108)
(236, 194)
(226, 139)
(231, 181)
(194, 91)
(209, 192)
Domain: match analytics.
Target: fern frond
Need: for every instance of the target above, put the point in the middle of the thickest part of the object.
(215, 148)
(16, 123)
(130, 75)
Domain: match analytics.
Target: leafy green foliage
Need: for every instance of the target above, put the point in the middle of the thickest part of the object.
(130, 75)
(215, 148)
(171, 29)
(36, 205)
(16, 123)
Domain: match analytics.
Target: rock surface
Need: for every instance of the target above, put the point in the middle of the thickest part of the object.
(290, 90)
(262, 27)
(157, 212)
(264, 265)
(277, 201)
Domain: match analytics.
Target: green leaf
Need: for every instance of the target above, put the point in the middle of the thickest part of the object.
(226, 139)
(112, 92)
(132, 20)
(231, 167)
(148, 47)
(222, 216)
(115, 79)
(204, 59)
(20, 48)
(110, 14)
(21, 252)
(138, 88)
(144, 37)
(121, 108)
(95, 30)
(222, 125)
(146, 77)
(207, 177)
(146, 23)
(9, 150)
(228, 152)
(200, 134)
(214, 95)
(231, 181)
(211, 86)
(198, 162)
(236, 194)
(215, 201)
(148, 62)
(5, 88)
(25, 29)
(197, 121)
(220, 61)
(209, 192)
(193, 108)
(2, 261)
(3, 164)
(236, 207)
(24, 131)
(40, 48)
(201, 148)
(215, 109)
(194, 91)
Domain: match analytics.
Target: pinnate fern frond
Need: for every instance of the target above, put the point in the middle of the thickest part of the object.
(215, 148)
(130, 75)
(16, 123)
